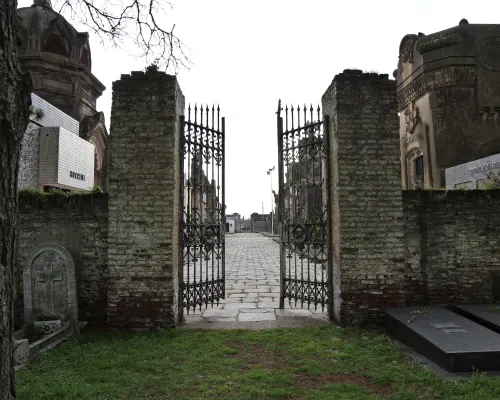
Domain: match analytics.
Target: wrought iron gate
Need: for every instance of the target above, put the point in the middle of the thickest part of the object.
(303, 212)
(202, 279)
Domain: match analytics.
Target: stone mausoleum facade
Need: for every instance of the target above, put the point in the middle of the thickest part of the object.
(448, 86)
(58, 58)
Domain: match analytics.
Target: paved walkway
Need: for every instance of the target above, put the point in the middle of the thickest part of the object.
(252, 290)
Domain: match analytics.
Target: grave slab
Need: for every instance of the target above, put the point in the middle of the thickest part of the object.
(487, 315)
(452, 341)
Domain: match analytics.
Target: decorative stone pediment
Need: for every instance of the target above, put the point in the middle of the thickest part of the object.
(406, 48)
(50, 284)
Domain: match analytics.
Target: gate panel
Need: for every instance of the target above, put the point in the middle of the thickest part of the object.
(305, 262)
(203, 208)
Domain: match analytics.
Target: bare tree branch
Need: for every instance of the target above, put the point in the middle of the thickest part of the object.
(135, 20)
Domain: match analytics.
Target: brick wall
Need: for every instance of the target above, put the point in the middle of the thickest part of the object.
(79, 223)
(452, 246)
(366, 199)
(144, 190)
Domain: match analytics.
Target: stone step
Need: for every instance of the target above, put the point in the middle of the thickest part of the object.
(452, 341)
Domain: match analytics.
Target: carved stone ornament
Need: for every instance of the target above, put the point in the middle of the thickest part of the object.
(489, 53)
(411, 156)
(49, 284)
(412, 117)
(406, 51)
(406, 48)
(454, 75)
(437, 109)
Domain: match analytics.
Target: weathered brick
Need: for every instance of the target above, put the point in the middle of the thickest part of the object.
(366, 199)
(144, 201)
(451, 242)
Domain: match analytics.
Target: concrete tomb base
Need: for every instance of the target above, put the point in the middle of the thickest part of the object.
(452, 341)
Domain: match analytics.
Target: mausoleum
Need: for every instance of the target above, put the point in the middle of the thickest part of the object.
(448, 86)
(59, 61)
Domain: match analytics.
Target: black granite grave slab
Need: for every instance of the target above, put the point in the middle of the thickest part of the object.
(452, 341)
(487, 315)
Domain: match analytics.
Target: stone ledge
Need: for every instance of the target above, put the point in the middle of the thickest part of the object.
(141, 75)
(358, 74)
(449, 196)
(34, 202)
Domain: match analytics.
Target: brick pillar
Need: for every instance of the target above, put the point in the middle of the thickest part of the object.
(144, 196)
(366, 196)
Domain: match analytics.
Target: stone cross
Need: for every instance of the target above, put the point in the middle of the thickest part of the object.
(49, 283)
(49, 274)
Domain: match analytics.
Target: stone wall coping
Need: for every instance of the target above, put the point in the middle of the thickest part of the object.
(145, 75)
(450, 195)
(34, 202)
(358, 74)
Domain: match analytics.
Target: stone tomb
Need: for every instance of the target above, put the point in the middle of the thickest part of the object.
(50, 285)
(487, 315)
(452, 341)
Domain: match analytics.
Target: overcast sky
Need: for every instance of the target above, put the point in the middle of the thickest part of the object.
(247, 55)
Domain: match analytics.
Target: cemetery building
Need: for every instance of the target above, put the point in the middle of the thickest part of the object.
(53, 154)
(233, 223)
(260, 222)
(230, 224)
(201, 198)
(246, 224)
(448, 86)
(304, 196)
(59, 61)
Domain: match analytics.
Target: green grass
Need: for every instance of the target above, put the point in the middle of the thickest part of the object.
(309, 363)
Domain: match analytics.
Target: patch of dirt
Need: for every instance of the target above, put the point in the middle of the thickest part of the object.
(307, 383)
(258, 355)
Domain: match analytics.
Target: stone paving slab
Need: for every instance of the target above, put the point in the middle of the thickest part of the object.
(257, 317)
(252, 291)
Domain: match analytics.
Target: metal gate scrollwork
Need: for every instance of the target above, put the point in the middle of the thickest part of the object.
(305, 260)
(202, 279)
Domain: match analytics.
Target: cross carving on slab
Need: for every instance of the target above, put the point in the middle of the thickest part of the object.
(48, 275)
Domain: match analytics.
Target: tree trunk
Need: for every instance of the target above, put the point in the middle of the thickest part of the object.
(14, 114)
